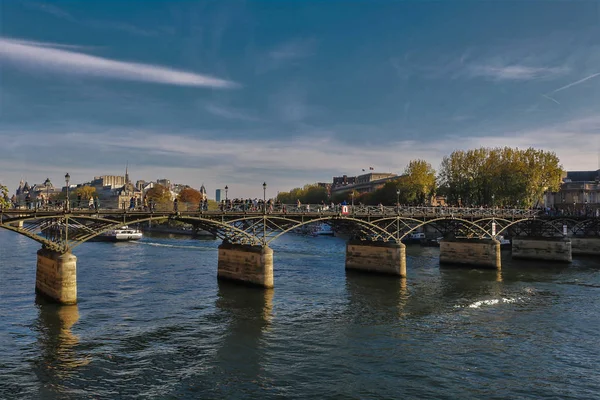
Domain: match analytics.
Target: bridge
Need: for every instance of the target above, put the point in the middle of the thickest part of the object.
(376, 234)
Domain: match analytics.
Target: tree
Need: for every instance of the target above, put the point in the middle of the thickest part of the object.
(4, 200)
(309, 194)
(499, 176)
(86, 192)
(418, 182)
(160, 195)
(189, 195)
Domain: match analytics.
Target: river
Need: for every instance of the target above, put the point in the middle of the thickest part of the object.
(154, 322)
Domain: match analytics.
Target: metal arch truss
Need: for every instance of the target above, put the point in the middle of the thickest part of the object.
(63, 231)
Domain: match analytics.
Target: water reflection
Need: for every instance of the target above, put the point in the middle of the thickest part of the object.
(459, 283)
(247, 312)
(376, 298)
(56, 341)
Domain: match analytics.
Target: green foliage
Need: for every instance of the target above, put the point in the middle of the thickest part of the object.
(499, 176)
(418, 183)
(4, 200)
(309, 194)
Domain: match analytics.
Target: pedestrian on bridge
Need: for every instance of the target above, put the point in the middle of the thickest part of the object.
(176, 205)
(91, 202)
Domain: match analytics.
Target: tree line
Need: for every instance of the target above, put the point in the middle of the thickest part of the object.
(499, 177)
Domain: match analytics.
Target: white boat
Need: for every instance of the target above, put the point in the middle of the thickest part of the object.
(503, 241)
(122, 234)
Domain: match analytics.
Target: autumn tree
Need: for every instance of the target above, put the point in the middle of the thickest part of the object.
(4, 200)
(189, 195)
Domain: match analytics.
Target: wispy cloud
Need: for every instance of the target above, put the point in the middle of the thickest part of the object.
(97, 24)
(70, 62)
(229, 113)
(48, 9)
(293, 50)
(284, 163)
(515, 72)
(286, 54)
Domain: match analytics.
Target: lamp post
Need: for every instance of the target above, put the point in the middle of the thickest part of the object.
(226, 189)
(67, 179)
(398, 216)
(352, 200)
(264, 197)
(47, 183)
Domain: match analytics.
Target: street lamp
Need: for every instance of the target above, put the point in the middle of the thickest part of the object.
(264, 197)
(352, 199)
(398, 199)
(47, 183)
(226, 189)
(67, 179)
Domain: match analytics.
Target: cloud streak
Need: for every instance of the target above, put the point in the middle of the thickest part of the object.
(575, 83)
(515, 72)
(230, 113)
(40, 56)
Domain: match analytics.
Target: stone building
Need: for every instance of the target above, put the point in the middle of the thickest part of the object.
(364, 183)
(579, 191)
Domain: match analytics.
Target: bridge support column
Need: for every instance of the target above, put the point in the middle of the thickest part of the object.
(244, 263)
(379, 257)
(585, 246)
(476, 252)
(545, 248)
(56, 276)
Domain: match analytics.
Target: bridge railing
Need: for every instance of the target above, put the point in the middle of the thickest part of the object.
(277, 208)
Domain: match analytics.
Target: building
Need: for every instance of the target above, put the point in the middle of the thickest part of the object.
(113, 181)
(36, 194)
(579, 190)
(219, 195)
(164, 182)
(365, 183)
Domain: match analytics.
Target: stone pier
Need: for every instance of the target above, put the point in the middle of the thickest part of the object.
(56, 276)
(379, 257)
(476, 252)
(245, 263)
(587, 246)
(542, 248)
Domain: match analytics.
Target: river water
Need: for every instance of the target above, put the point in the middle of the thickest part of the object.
(154, 322)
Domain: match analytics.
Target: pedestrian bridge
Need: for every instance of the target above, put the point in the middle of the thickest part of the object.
(376, 234)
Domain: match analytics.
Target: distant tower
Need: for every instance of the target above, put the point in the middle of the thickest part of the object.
(203, 191)
(127, 173)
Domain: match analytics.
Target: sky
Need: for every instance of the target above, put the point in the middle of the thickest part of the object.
(289, 92)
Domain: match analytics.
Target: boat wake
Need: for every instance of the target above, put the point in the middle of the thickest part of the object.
(174, 246)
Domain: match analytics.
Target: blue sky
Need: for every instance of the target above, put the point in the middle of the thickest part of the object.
(289, 92)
